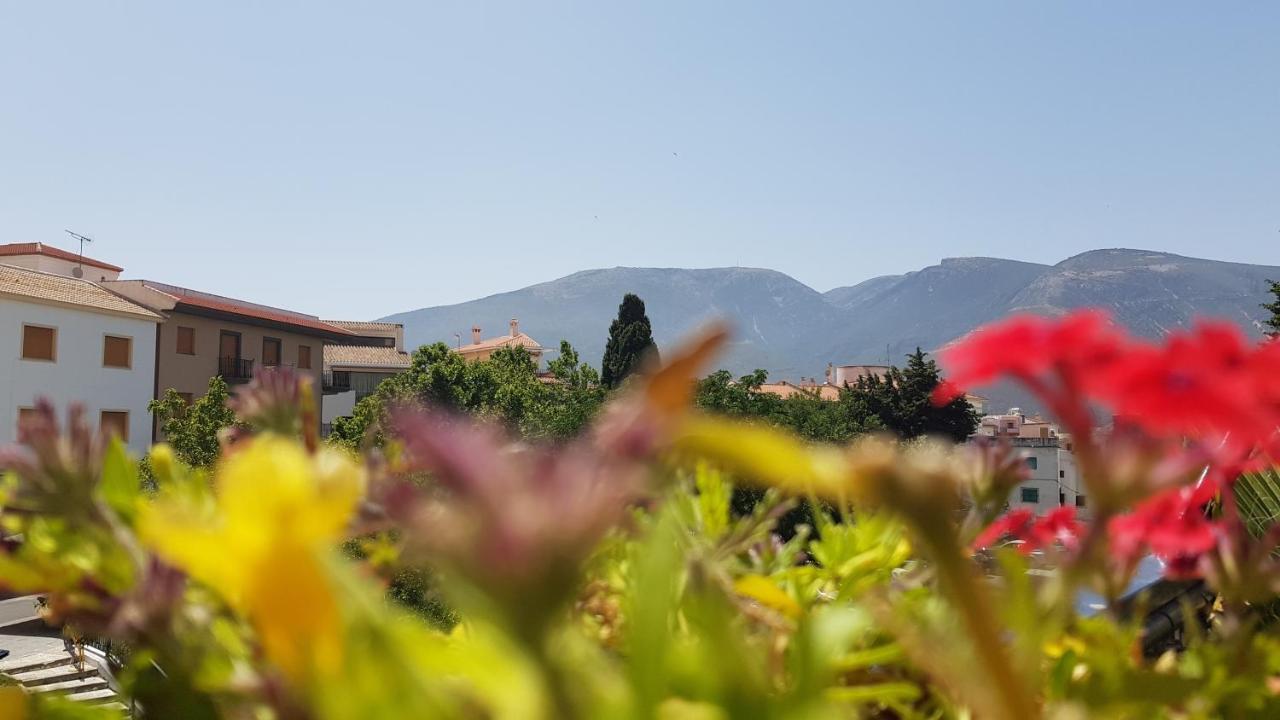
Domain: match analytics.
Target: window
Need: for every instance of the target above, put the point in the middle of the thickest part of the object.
(186, 340)
(270, 352)
(1033, 463)
(25, 414)
(1062, 474)
(39, 343)
(115, 422)
(1079, 501)
(304, 357)
(1030, 495)
(117, 352)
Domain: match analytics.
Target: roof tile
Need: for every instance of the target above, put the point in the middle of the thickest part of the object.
(36, 285)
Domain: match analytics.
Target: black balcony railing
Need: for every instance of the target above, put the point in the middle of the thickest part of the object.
(235, 369)
(336, 382)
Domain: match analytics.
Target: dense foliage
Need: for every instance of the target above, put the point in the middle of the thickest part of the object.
(607, 576)
(192, 430)
(1273, 323)
(630, 342)
(506, 388)
(900, 402)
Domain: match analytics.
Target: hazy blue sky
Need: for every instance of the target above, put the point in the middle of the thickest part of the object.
(358, 159)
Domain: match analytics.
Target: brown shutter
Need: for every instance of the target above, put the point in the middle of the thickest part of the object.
(115, 422)
(117, 352)
(186, 341)
(38, 343)
(304, 357)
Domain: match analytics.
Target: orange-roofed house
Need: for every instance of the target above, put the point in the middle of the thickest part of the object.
(479, 349)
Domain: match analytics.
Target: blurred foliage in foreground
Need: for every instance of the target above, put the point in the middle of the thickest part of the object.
(607, 577)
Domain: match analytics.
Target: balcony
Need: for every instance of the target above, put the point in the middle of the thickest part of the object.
(336, 382)
(235, 369)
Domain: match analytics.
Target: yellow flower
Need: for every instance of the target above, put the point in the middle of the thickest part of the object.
(279, 512)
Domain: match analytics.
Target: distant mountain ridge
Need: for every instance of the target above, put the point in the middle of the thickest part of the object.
(792, 330)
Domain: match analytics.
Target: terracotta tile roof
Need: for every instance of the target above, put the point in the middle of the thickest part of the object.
(208, 301)
(359, 325)
(784, 389)
(36, 248)
(365, 356)
(36, 285)
(501, 341)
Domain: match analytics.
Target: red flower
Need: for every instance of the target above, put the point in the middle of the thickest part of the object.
(1202, 383)
(1058, 526)
(1015, 523)
(1172, 524)
(1031, 347)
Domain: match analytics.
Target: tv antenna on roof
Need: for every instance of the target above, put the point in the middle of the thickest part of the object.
(78, 270)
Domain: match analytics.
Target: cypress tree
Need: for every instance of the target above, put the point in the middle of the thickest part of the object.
(1273, 323)
(630, 340)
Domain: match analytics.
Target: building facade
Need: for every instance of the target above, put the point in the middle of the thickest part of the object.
(1054, 480)
(205, 335)
(71, 341)
(355, 366)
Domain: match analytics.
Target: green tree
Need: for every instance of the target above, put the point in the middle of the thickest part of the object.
(569, 400)
(506, 387)
(630, 342)
(902, 400)
(1273, 322)
(192, 430)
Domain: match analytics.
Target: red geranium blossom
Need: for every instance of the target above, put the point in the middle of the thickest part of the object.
(1057, 526)
(1172, 524)
(1200, 383)
(1029, 347)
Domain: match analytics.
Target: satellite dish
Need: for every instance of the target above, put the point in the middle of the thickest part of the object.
(77, 271)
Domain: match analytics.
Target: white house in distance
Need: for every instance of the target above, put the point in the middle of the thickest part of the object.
(67, 339)
(1054, 479)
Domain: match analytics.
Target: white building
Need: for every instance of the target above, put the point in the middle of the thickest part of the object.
(1054, 479)
(71, 341)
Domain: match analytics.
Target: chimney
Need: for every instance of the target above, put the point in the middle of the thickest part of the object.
(515, 327)
(830, 370)
(475, 334)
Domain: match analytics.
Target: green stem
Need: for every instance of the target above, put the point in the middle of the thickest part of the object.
(975, 612)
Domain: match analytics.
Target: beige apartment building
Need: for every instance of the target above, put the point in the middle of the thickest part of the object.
(205, 335)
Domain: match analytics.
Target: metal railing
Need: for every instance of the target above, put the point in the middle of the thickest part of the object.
(231, 368)
(333, 382)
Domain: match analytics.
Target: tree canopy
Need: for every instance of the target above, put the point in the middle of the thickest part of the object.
(506, 388)
(192, 430)
(901, 403)
(1273, 322)
(630, 342)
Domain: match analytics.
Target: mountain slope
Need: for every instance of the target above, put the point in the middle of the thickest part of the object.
(792, 330)
(772, 313)
(928, 308)
(1151, 293)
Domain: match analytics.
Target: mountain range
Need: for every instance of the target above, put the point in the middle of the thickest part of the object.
(792, 330)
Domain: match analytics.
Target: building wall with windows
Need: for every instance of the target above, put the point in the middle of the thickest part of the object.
(1041, 491)
(78, 371)
(191, 348)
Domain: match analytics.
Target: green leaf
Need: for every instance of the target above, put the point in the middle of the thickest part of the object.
(120, 486)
